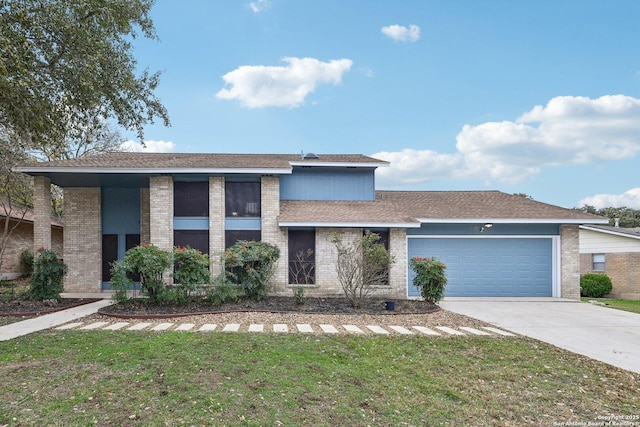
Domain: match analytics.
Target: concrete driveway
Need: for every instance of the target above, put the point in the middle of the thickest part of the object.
(601, 333)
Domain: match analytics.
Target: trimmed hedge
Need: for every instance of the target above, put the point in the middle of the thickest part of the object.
(593, 285)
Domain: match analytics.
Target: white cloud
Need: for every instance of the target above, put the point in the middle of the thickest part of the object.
(149, 146)
(257, 86)
(416, 166)
(629, 199)
(568, 130)
(401, 33)
(259, 5)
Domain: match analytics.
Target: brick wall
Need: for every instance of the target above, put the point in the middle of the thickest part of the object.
(570, 262)
(624, 271)
(161, 215)
(145, 224)
(272, 233)
(216, 224)
(21, 239)
(83, 239)
(398, 272)
(161, 212)
(326, 255)
(42, 212)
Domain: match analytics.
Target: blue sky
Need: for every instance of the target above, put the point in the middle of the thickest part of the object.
(537, 97)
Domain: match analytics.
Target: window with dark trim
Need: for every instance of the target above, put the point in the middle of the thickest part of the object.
(191, 199)
(197, 239)
(302, 257)
(383, 240)
(242, 199)
(232, 236)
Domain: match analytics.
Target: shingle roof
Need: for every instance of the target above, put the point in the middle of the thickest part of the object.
(343, 212)
(478, 204)
(413, 207)
(29, 216)
(127, 160)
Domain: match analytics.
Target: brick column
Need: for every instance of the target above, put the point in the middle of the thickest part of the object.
(145, 225)
(42, 213)
(216, 223)
(398, 271)
(570, 262)
(271, 232)
(161, 212)
(83, 239)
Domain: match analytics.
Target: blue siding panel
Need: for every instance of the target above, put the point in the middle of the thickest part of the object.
(242, 224)
(120, 211)
(328, 184)
(490, 267)
(190, 223)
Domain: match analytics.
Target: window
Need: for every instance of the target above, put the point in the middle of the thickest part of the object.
(383, 233)
(598, 262)
(197, 239)
(191, 199)
(232, 236)
(383, 240)
(302, 257)
(242, 199)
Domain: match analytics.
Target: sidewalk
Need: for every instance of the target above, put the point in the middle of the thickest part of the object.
(47, 321)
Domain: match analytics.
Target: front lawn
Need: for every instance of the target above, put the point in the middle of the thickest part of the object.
(171, 378)
(620, 304)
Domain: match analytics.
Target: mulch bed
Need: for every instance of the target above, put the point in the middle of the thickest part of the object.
(141, 308)
(28, 308)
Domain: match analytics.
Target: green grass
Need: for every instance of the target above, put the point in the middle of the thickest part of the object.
(619, 304)
(171, 378)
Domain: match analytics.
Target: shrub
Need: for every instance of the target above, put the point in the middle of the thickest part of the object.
(192, 267)
(48, 275)
(251, 265)
(120, 282)
(594, 285)
(26, 262)
(150, 263)
(298, 295)
(361, 266)
(223, 290)
(429, 278)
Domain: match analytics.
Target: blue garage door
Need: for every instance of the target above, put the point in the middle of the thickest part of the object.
(490, 267)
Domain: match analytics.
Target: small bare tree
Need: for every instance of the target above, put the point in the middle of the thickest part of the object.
(302, 269)
(361, 266)
(16, 192)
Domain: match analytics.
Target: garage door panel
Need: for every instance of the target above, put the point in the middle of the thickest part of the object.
(490, 267)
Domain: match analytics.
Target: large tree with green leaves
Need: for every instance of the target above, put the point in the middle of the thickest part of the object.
(66, 63)
(628, 217)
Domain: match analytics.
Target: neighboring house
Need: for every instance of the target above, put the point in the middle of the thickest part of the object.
(494, 244)
(22, 238)
(616, 252)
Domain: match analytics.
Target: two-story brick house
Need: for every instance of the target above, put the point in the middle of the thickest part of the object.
(494, 244)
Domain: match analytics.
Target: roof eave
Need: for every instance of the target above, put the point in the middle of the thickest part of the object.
(340, 164)
(274, 171)
(511, 221)
(339, 224)
(612, 232)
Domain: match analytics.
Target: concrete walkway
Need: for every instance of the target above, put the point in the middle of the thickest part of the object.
(51, 320)
(601, 333)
